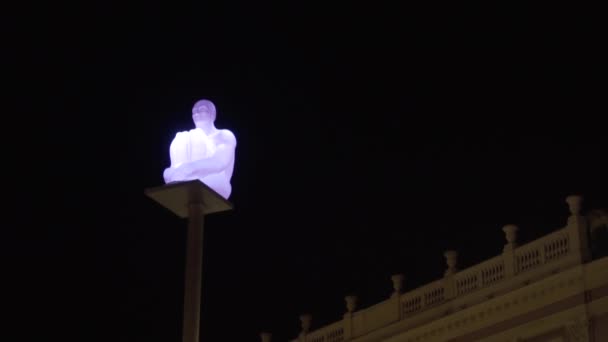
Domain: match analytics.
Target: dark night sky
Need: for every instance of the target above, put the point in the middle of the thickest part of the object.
(370, 139)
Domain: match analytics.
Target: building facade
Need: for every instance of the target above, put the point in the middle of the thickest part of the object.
(553, 289)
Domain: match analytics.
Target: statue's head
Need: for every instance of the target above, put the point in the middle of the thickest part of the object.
(203, 111)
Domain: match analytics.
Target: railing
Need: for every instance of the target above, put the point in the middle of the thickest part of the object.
(554, 248)
(549, 248)
(411, 303)
(434, 294)
(330, 333)
(374, 317)
(492, 271)
(422, 298)
(336, 335)
(480, 275)
(556, 245)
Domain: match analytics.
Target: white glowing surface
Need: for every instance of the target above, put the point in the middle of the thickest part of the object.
(204, 152)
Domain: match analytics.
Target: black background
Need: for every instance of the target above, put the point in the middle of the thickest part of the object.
(371, 138)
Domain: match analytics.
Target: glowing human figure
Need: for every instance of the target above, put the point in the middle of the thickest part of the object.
(205, 152)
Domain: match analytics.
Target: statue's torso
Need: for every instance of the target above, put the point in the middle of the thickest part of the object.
(195, 144)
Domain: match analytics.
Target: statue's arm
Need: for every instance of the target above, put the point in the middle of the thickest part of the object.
(218, 162)
(178, 155)
(178, 151)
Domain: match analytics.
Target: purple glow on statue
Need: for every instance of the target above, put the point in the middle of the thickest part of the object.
(204, 152)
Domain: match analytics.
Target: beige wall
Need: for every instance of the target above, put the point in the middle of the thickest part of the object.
(600, 328)
(558, 335)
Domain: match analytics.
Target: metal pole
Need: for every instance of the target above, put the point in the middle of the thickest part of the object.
(194, 269)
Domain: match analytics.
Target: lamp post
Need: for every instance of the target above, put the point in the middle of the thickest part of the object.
(192, 200)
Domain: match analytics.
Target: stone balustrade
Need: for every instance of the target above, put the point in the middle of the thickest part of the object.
(458, 289)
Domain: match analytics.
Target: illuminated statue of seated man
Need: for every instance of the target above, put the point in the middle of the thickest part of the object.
(205, 152)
